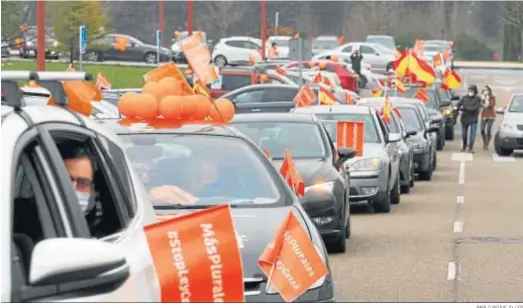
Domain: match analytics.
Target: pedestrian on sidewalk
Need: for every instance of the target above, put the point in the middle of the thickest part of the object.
(470, 106)
(488, 115)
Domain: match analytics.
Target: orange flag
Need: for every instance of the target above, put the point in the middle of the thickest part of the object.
(291, 261)
(267, 153)
(102, 82)
(196, 257)
(348, 98)
(350, 134)
(422, 95)
(437, 60)
(252, 59)
(120, 43)
(280, 70)
(199, 58)
(168, 70)
(305, 96)
(79, 94)
(289, 173)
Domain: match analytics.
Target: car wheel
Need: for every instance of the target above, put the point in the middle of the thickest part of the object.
(220, 61)
(382, 203)
(426, 175)
(405, 189)
(412, 180)
(441, 142)
(395, 194)
(347, 228)
(449, 133)
(501, 151)
(435, 161)
(93, 56)
(340, 244)
(362, 82)
(150, 58)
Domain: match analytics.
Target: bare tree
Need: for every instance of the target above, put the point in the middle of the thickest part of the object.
(306, 21)
(223, 14)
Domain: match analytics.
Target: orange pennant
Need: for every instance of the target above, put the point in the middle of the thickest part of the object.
(349, 99)
(291, 261)
(305, 96)
(289, 173)
(350, 135)
(196, 257)
(199, 58)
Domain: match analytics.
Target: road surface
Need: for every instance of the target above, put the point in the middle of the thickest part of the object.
(458, 238)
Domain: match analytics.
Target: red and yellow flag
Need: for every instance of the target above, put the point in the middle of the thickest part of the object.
(451, 79)
(422, 95)
(411, 65)
(349, 99)
(387, 108)
(377, 92)
(326, 97)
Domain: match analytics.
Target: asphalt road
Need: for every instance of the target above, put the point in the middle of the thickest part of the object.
(458, 238)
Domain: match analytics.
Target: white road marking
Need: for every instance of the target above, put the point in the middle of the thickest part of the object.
(461, 179)
(460, 200)
(452, 270)
(458, 227)
(502, 159)
(462, 156)
(505, 82)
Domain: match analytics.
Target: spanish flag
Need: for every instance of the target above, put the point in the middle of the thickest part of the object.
(325, 97)
(451, 79)
(377, 92)
(387, 110)
(400, 87)
(198, 88)
(422, 95)
(417, 68)
(437, 60)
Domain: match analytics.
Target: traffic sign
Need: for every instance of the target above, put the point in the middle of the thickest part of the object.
(83, 39)
(294, 50)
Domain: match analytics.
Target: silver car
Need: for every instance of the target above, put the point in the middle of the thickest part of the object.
(510, 134)
(375, 177)
(378, 56)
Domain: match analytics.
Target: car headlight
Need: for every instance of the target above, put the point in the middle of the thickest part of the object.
(419, 147)
(447, 112)
(508, 126)
(272, 290)
(327, 186)
(365, 164)
(176, 48)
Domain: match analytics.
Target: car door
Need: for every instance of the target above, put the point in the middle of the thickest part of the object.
(236, 51)
(251, 49)
(135, 50)
(392, 150)
(230, 82)
(371, 56)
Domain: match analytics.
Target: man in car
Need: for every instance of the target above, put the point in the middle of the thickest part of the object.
(273, 51)
(470, 106)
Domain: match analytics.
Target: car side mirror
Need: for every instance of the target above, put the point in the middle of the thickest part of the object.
(394, 137)
(445, 103)
(433, 129)
(434, 121)
(64, 261)
(319, 203)
(377, 53)
(500, 110)
(455, 97)
(410, 133)
(344, 155)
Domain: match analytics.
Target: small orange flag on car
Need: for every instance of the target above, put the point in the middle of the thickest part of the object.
(305, 96)
(197, 258)
(291, 176)
(291, 261)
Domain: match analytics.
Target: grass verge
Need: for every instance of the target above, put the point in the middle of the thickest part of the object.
(119, 76)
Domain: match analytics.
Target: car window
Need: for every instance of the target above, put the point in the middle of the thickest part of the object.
(367, 49)
(302, 139)
(517, 105)
(348, 48)
(214, 169)
(281, 43)
(394, 125)
(233, 82)
(238, 44)
(253, 96)
(273, 80)
(410, 119)
(279, 95)
(331, 68)
(371, 134)
(325, 44)
(250, 45)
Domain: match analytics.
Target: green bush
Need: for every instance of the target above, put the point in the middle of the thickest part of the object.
(469, 48)
(407, 40)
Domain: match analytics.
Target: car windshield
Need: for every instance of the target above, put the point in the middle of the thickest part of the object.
(517, 105)
(213, 169)
(280, 42)
(410, 119)
(325, 44)
(329, 121)
(302, 139)
(434, 48)
(410, 92)
(385, 41)
(383, 49)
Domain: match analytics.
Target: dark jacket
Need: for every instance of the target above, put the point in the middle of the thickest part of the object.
(470, 108)
(356, 62)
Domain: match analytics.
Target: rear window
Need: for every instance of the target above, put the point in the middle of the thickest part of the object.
(211, 169)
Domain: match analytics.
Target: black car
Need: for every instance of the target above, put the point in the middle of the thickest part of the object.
(30, 46)
(135, 51)
(313, 152)
(218, 165)
(448, 102)
(424, 149)
(266, 97)
(434, 106)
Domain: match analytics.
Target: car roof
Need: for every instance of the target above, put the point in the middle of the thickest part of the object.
(279, 37)
(393, 99)
(344, 108)
(192, 128)
(274, 117)
(326, 37)
(269, 85)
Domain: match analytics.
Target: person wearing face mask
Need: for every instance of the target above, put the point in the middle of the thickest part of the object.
(470, 106)
(488, 115)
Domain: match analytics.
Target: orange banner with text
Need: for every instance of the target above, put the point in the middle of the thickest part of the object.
(350, 135)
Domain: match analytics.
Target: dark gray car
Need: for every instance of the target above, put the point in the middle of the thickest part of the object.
(135, 50)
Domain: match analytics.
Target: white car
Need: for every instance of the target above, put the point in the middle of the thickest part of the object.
(378, 56)
(52, 251)
(366, 68)
(431, 50)
(282, 44)
(236, 50)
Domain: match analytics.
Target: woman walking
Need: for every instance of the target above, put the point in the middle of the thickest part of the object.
(488, 115)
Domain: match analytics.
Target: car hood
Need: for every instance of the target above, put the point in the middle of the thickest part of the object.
(434, 112)
(255, 228)
(513, 117)
(310, 170)
(369, 150)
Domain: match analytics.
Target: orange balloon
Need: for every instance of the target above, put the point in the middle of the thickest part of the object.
(171, 107)
(264, 78)
(155, 89)
(171, 86)
(203, 106)
(146, 107)
(323, 65)
(222, 111)
(127, 104)
(334, 58)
